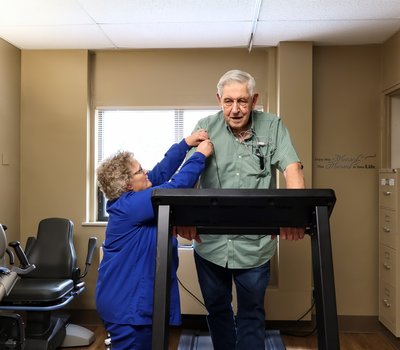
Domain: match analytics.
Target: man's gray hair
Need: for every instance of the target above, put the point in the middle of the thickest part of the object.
(239, 77)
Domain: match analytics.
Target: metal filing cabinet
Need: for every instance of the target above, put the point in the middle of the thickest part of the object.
(389, 250)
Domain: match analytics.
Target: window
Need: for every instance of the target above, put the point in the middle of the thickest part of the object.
(147, 133)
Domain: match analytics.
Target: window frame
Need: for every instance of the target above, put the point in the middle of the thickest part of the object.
(100, 214)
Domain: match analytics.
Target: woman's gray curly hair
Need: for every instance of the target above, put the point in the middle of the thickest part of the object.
(114, 173)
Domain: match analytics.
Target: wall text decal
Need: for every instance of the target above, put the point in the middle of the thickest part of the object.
(345, 161)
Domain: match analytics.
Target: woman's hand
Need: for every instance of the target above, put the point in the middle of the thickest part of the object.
(197, 137)
(206, 147)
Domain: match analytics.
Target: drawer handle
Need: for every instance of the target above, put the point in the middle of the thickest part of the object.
(386, 229)
(386, 266)
(387, 193)
(386, 303)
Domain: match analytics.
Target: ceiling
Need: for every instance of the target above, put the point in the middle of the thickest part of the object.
(149, 24)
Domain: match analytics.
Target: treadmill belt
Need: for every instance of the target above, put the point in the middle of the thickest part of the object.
(196, 340)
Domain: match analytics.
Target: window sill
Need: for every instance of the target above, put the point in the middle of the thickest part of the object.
(94, 223)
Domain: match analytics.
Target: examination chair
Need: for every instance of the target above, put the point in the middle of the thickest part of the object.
(12, 334)
(54, 281)
(8, 278)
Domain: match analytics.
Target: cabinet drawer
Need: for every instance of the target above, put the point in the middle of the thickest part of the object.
(388, 191)
(388, 232)
(387, 264)
(387, 305)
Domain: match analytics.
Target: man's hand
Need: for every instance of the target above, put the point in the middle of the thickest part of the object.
(294, 179)
(187, 232)
(291, 233)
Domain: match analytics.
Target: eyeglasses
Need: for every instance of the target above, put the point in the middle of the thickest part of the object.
(242, 102)
(140, 171)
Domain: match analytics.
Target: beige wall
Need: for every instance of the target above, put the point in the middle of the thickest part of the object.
(10, 89)
(170, 77)
(346, 111)
(345, 151)
(162, 78)
(54, 121)
(390, 86)
(54, 136)
(291, 63)
(391, 62)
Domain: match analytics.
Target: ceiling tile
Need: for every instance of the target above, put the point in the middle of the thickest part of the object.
(270, 33)
(91, 24)
(134, 11)
(329, 9)
(42, 12)
(55, 37)
(178, 35)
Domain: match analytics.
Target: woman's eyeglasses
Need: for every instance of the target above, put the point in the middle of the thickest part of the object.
(140, 171)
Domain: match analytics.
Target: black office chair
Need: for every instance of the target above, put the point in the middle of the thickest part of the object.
(52, 284)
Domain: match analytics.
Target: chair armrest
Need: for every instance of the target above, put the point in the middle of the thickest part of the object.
(26, 266)
(92, 245)
(29, 244)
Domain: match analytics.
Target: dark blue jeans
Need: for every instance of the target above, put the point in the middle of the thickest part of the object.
(247, 330)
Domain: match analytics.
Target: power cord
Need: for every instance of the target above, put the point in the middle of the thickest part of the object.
(191, 294)
(292, 334)
(302, 334)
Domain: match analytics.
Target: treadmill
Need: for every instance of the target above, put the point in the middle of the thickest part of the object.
(246, 211)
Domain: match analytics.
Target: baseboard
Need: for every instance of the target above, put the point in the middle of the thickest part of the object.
(346, 323)
(358, 324)
(84, 317)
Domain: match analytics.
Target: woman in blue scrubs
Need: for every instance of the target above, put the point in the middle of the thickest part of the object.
(124, 290)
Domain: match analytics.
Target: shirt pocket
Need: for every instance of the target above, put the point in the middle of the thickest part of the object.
(252, 165)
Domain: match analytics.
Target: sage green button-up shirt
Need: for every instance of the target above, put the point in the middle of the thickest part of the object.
(235, 164)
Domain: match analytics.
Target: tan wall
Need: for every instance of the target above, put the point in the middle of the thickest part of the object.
(345, 133)
(54, 136)
(391, 62)
(390, 87)
(346, 85)
(54, 122)
(293, 93)
(10, 89)
(170, 77)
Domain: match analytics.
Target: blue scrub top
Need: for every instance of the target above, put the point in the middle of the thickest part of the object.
(125, 285)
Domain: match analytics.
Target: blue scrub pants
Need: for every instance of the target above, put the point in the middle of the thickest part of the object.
(248, 330)
(129, 337)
